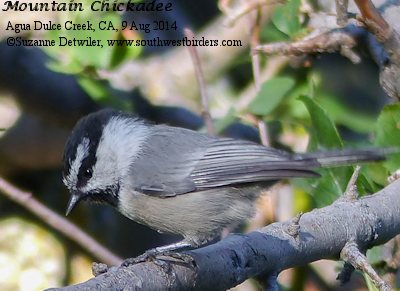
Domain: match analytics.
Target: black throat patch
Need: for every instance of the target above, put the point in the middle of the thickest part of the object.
(109, 195)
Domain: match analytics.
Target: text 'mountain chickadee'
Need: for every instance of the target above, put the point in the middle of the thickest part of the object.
(177, 180)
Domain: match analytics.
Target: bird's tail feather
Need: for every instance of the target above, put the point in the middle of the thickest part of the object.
(348, 156)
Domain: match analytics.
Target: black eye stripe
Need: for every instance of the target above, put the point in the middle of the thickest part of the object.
(90, 127)
(88, 173)
(86, 170)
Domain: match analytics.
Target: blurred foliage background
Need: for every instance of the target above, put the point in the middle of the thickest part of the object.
(312, 103)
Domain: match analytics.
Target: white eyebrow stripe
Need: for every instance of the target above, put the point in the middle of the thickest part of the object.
(82, 151)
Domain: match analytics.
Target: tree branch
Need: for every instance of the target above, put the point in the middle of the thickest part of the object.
(373, 19)
(331, 41)
(341, 11)
(390, 40)
(352, 255)
(58, 222)
(205, 110)
(255, 29)
(323, 233)
(248, 6)
(383, 40)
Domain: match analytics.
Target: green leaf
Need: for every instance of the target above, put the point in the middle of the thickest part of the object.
(74, 59)
(286, 18)
(271, 94)
(325, 135)
(376, 255)
(350, 118)
(376, 173)
(73, 67)
(100, 92)
(370, 284)
(324, 129)
(270, 33)
(328, 188)
(96, 56)
(302, 201)
(94, 88)
(120, 54)
(388, 133)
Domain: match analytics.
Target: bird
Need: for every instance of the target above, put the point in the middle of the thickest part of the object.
(176, 180)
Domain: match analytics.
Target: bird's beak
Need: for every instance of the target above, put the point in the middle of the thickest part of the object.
(73, 201)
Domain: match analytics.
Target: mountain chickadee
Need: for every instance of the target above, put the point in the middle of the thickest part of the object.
(176, 180)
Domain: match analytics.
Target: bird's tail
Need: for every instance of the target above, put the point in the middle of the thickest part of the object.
(348, 156)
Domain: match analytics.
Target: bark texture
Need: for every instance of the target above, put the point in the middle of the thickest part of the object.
(322, 234)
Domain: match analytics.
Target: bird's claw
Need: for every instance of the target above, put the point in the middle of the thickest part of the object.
(160, 258)
(177, 257)
(146, 257)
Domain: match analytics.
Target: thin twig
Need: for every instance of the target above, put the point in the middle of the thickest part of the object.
(390, 40)
(254, 42)
(263, 130)
(374, 20)
(255, 61)
(223, 5)
(352, 255)
(274, 66)
(59, 223)
(200, 80)
(331, 41)
(395, 176)
(233, 16)
(293, 228)
(341, 12)
(351, 192)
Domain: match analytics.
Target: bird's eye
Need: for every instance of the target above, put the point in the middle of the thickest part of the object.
(88, 173)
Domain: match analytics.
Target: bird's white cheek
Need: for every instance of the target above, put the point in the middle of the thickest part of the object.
(100, 180)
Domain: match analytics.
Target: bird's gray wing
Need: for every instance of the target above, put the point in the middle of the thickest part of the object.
(229, 161)
(178, 161)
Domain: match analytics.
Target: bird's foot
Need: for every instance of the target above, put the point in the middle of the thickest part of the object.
(164, 260)
(160, 258)
(175, 257)
(151, 256)
(145, 257)
(165, 255)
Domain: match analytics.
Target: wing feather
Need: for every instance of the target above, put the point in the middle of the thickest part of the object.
(178, 161)
(229, 161)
